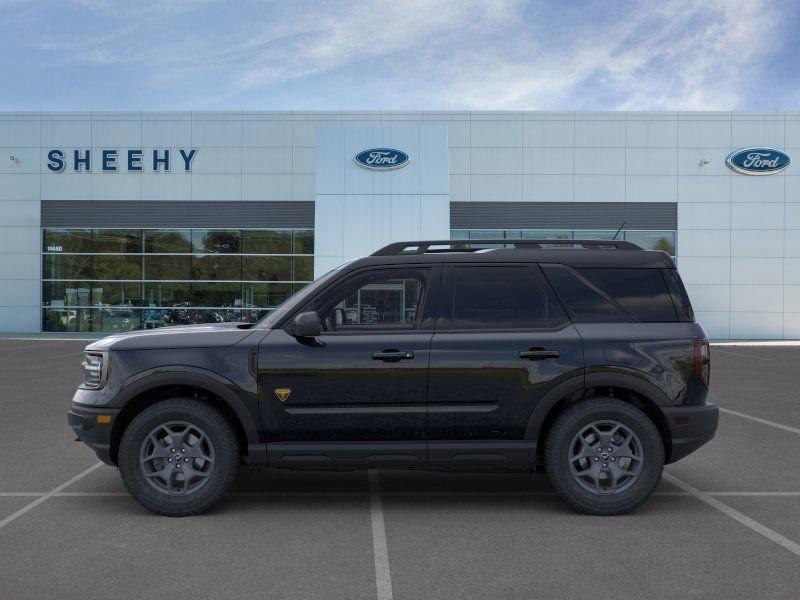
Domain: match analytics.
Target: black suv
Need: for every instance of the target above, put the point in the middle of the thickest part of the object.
(579, 357)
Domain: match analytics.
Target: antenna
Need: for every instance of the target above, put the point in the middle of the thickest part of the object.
(618, 230)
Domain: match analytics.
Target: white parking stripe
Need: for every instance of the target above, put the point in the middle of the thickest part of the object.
(49, 494)
(768, 533)
(383, 579)
(760, 420)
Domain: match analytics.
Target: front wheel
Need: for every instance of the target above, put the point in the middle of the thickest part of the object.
(178, 457)
(604, 456)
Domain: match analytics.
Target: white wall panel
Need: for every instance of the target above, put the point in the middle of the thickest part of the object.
(166, 186)
(116, 134)
(756, 325)
(761, 132)
(662, 133)
(757, 215)
(760, 271)
(704, 134)
(596, 134)
(268, 133)
(20, 319)
(166, 133)
(496, 161)
(545, 133)
(717, 324)
(268, 160)
(758, 189)
(19, 213)
(499, 188)
(599, 188)
(705, 270)
(767, 298)
(19, 186)
(599, 161)
(547, 188)
(698, 188)
(548, 161)
(19, 133)
(704, 242)
(495, 133)
(756, 243)
(218, 187)
(709, 297)
(269, 186)
(651, 188)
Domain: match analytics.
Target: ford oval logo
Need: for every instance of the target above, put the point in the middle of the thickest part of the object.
(381, 159)
(758, 161)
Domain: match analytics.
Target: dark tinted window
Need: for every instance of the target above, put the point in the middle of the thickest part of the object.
(496, 297)
(610, 295)
(679, 296)
(642, 292)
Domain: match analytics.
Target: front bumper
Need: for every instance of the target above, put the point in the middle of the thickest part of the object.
(690, 427)
(94, 432)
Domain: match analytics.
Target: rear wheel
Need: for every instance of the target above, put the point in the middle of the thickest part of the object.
(178, 457)
(604, 456)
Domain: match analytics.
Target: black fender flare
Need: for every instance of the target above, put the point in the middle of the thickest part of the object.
(194, 377)
(589, 380)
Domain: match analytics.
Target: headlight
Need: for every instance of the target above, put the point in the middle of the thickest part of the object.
(95, 369)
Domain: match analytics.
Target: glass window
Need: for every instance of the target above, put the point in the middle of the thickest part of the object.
(304, 241)
(167, 293)
(161, 266)
(216, 267)
(109, 280)
(642, 292)
(167, 240)
(67, 240)
(117, 266)
(377, 300)
(492, 297)
(216, 294)
(216, 240)
(267, 268)
(546, 234)
(585, 303)
(266, 295)
(267, 242)
(67, 266)
(679, 296)
(303, 268)
(116, 240)
(653, 240)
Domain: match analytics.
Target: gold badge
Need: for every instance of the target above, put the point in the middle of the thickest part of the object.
(282, 393)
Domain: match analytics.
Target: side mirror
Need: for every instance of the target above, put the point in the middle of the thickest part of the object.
(305, 325)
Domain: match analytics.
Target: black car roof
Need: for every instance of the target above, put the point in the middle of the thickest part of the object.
(573, 253)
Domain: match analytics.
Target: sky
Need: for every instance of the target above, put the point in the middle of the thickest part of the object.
(400, 55)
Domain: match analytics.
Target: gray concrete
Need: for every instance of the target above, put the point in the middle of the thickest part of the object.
(449, 536)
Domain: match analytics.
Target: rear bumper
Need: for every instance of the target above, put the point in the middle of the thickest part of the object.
(690, 427)
(83, 421)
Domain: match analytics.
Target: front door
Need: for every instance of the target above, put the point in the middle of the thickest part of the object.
(364, 379)
(502, 342)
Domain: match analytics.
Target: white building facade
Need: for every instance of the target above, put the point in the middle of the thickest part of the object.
(116, 221)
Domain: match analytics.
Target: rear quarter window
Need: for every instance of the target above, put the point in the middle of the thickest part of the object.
(595, 295)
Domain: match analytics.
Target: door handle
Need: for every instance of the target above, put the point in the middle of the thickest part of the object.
(539, 354)
(392, 355)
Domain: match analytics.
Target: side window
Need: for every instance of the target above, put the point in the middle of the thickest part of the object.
(380, 300)
(585, 303)
(501, 297)
(642, 292)
(612, 295)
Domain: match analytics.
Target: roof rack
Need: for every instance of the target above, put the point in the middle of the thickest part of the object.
(434, 246)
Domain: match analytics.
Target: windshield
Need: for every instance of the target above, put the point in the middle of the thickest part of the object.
(293, 301)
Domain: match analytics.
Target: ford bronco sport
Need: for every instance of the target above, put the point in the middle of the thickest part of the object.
(579, 357)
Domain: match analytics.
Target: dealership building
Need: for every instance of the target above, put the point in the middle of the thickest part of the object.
(113, 221)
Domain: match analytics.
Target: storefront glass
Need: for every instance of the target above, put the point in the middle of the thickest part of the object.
(106, 280)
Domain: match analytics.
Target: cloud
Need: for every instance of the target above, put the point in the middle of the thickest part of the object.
(448, 54)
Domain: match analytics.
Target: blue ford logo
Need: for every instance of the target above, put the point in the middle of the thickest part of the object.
(758, 161)
(381, 159)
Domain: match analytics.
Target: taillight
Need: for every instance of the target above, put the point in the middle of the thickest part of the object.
(702, 361)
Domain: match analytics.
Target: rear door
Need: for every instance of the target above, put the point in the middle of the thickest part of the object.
(502, 342)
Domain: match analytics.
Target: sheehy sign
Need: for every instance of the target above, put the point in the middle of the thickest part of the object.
(112, 160)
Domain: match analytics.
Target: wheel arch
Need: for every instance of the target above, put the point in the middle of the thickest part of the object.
(642, 394)
(150, 387)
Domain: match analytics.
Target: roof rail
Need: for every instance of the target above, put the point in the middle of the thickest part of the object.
(433, 246)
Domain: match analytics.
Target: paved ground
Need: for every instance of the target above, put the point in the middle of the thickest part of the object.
(725, 522)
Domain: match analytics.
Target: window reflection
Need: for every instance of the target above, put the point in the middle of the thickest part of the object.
(107, 280)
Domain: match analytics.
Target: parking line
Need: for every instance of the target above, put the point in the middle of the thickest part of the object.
(742, 354)
(794, 430)
(49, 494)
(383, 579)
(768, 533)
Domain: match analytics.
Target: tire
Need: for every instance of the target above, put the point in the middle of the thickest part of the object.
(604, 487)
(179, 457)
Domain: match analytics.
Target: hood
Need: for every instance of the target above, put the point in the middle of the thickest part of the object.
(215, 335)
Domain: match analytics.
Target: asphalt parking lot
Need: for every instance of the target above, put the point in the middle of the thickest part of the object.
(725, 522)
